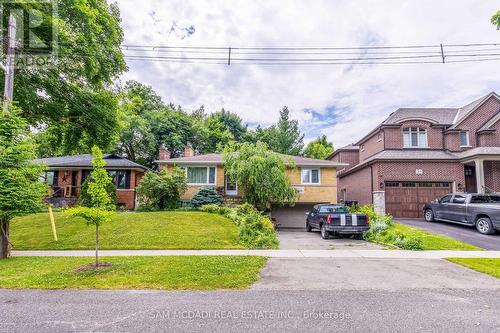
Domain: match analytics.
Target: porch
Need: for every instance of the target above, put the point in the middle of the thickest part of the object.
(482, 175)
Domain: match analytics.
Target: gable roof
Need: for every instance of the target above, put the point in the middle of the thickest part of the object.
(466, 110)
(85, 161)
(218, 159)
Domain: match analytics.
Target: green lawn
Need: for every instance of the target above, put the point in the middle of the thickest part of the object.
(483, 265)
(128, 230)
(168, 273)
(431, 241)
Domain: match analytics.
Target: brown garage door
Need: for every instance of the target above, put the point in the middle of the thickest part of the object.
(407, 199)
(291, 217)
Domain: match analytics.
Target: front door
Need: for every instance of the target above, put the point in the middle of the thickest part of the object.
(231, 187)
(470, 178)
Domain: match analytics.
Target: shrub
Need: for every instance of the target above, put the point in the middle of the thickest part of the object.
(256, 230)
(206, 196)
(161, 190)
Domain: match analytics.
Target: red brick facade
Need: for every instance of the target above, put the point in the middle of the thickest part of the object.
(358, 181)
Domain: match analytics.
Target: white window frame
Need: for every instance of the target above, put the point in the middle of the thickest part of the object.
(419, 131)
(310, 178)
(208, 174)
(468, 139)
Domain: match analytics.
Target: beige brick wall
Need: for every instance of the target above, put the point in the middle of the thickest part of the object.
(324, 192)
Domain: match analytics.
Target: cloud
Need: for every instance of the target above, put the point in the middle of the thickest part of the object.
(341, 101)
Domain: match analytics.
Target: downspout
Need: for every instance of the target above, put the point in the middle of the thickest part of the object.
(371, 181)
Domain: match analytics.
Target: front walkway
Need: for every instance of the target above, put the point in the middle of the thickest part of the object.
(387, 254)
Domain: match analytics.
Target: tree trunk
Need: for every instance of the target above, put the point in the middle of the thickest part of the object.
(4, 239)
(96, 245)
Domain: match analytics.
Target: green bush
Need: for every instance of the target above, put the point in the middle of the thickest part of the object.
(85, 199)
(206, 196)
(162, 190)
(382, 231)
(256, 230)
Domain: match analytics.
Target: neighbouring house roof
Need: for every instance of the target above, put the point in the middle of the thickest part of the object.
(449, 117)
(218, 159)
(350, 147)
(85, 161)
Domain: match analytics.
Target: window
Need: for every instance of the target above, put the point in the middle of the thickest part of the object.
(50, 177)
(458, 199)
(408, 184)
(362, 147)
(379, 137)
(200, 175)
(392, 184)
(464, 139)
(333, 209)
(415, 137)
(310, 176)
(485, 199)
(445, 199)
(121, 178)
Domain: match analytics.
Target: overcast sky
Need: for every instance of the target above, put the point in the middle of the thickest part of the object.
(341, 101)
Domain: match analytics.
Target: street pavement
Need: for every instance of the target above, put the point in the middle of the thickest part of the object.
(407, 310)
(460, 232)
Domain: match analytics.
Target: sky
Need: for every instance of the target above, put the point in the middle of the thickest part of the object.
(343, 102)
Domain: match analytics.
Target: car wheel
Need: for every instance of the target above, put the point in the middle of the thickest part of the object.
(429, 215)
(325, 234)
(308, 227)
(484, 226)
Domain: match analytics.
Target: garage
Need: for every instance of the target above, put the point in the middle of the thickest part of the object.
(407, 199)
(291, 217)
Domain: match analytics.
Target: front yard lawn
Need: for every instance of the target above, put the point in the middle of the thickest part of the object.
(431, 241)
(168, 273)
(490, 266)
(128, 231)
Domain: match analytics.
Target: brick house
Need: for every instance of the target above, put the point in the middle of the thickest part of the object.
(315, 180)
(66, 174)
(418, 154)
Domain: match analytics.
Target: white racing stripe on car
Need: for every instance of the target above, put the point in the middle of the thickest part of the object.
(354, 219)
(342, 219)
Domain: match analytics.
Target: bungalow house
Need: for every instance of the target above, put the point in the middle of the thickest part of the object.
(315, 181)
(66, 174)
(419, 154)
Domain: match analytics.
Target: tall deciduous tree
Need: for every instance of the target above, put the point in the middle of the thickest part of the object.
(102, 206)
(284, 137)
(21, 190)
(72, 99)
(320, 148)
(261, 174)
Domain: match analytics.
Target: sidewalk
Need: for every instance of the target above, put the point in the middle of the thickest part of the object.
(381, 254)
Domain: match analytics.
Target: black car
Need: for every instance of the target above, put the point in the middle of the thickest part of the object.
(336, 220)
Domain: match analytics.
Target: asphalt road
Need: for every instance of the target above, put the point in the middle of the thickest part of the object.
(457, 231)
(423, 310)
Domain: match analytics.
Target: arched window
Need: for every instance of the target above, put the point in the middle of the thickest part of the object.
(415, 137)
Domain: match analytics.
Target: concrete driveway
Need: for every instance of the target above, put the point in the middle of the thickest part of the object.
(369, 274)
(457, 231)
(302, 240)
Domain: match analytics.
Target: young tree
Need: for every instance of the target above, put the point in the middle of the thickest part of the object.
(21, 191)
(260, 173)
(102, 206)
(284, 137)
(320, 148)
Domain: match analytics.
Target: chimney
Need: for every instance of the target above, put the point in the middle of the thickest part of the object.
(188, 150)
(164, 153)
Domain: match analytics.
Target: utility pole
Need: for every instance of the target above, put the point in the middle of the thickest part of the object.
(8, 67)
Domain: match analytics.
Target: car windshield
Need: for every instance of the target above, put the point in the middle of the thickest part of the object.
(333, 209)
(485, 199)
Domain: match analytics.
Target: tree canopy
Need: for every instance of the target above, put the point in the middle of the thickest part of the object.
(320, 148)
(495, 20)
(260, 173)
(21, 191)
(285, 136)
(71, 102)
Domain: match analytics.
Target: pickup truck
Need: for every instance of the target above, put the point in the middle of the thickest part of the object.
(472, 209)
(335, 219)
